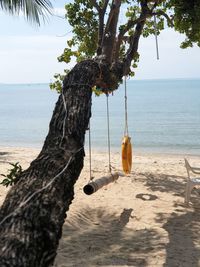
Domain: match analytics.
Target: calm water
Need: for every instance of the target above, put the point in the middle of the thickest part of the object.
(164, 116)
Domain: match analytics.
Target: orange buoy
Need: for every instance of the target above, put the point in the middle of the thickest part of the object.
(126, 154)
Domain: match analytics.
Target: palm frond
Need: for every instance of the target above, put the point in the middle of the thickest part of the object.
(33, 10)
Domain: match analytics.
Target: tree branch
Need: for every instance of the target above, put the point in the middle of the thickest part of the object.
(105, 5)
(109, 37)
(134, 39)
(154, 6)
(100, 32)
(162, 13)
(101, 14)
(94, 2)
(130, 24)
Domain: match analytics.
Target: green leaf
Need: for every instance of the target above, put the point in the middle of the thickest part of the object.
(13, 175)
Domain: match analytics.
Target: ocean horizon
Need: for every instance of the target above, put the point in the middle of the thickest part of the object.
(163, 116)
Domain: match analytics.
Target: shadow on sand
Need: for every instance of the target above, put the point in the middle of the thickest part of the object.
(105, 240)
(183, 225)
(164, 183)
(3, 158)
(94, 237)
(183, 230)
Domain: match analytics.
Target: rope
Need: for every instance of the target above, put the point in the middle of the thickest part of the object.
(64, 121)
(90, 155)
(108, 128)
(156, 36)
(126, 108)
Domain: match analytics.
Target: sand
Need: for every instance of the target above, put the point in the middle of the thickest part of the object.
(140, 220)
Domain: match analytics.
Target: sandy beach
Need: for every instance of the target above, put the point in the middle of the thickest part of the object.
(140, 220)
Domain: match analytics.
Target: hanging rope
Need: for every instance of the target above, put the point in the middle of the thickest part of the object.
(156, 36)
(126, 141)
(108, 137)
(90, 155)
(95, 185)
(126, 109)
(108, 128)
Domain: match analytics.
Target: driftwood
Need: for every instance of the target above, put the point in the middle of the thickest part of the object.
(94, 186)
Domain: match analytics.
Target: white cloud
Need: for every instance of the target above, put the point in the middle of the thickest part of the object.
(59, 11)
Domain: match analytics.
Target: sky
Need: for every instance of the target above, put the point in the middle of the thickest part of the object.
(29, 53)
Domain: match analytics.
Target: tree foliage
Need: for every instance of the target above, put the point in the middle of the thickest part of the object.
(32, 10)
(186, 17)
(92, 20)
(12, 177)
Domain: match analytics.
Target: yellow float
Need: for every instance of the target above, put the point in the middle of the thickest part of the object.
(126, 154)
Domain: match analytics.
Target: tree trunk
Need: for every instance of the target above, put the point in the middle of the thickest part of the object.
(35, 208)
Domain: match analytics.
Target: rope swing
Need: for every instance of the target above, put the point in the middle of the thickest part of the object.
(94, 185)
(126, 141)
(90, 154)
(108, 133)
(156, 36)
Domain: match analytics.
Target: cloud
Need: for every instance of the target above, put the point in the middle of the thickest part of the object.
(59, 12)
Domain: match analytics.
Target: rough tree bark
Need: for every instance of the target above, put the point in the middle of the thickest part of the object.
(31, 218)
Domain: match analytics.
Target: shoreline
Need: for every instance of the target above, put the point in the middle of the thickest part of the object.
(136, 152)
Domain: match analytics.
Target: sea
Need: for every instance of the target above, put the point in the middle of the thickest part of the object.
(163, 116)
